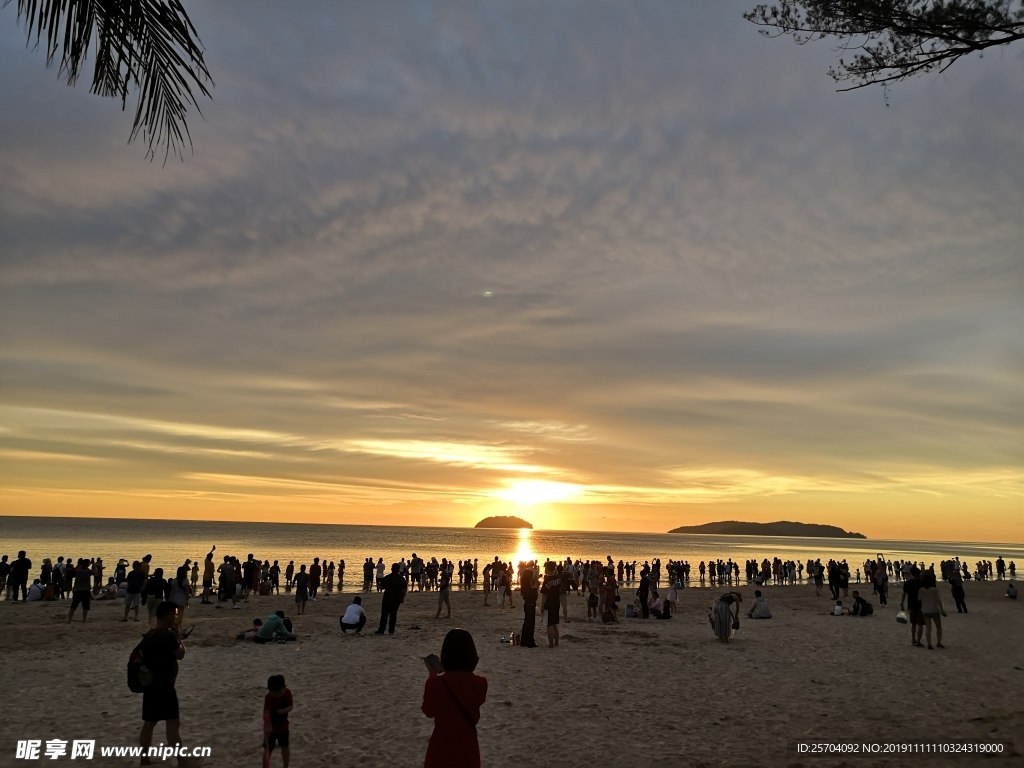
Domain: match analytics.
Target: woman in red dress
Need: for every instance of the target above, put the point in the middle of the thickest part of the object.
(453, 696)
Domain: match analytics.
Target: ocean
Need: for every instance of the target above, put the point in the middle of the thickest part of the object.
(171, 542)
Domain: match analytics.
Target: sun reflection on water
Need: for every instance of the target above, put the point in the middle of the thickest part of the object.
(525, 552)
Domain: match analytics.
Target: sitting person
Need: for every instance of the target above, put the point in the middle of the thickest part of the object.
(861, 607)
(655, 606)
(1011, 591)
(109, 592)
(662, 609)
(276, 627)
(250, 634)
(760, 609)
(838, 609)
(354, 618)
(35, 592)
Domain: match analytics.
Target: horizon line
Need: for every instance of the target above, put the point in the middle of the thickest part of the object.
(474, 528)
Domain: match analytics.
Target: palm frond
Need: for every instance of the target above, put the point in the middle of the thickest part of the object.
(146, 45)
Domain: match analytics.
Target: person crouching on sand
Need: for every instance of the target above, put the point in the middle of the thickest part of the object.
(452, 696)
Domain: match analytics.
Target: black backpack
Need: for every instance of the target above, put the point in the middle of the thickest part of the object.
(139, 676)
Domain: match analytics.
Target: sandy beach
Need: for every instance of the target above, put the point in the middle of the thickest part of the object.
(643, 693)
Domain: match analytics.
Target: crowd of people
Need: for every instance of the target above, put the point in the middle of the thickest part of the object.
(453, 694)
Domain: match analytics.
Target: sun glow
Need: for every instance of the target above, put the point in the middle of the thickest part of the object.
(526, 493)
(524, 553)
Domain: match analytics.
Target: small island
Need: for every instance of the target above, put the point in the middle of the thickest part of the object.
(782, 528)
(503, 521)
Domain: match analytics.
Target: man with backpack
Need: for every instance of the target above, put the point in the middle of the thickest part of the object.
(161, 649)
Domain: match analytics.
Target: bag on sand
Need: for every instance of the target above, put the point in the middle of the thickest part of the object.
(901, 617)
(139, 676)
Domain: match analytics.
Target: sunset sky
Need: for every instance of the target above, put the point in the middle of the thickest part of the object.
(604, 265)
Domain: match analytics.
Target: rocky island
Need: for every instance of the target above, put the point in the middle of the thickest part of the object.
(503, 521)
(782, 528)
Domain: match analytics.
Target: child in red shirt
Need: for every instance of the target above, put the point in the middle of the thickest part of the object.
(276, 706)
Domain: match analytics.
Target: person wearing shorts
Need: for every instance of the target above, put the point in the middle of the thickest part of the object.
(133, 590)
(81, 592)
(162, 649)
(301, 588)
(552, 590)
(276, 705)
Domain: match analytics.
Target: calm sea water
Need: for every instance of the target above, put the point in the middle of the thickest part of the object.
(171, 542)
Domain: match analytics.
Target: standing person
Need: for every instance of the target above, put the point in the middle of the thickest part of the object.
(563, 598)
(301, 588)
(5, 572)
(274, 572)
(276, 705)
(957, 590)
(393, 586)
(380, 573)
(341, 574)
(453, 699)
(819, 576)
(487, 583)
(931, 609)
(315, 571)
(354, 618)
(643, 592)
(528, 589)
(133, 590)
(416, 569)
(724, 614)
(609, 609)
(250, 571)
(162, 649)
(911, 590)
(882, 585)
(505, 585)
(443, 589)
(289, 575)
(195, 576)
(227, 582)
(552, 589)
(595, 598)
(19, 576)
(208, 571)
(154, 593)
(80, 591)
(97, 575)
(178, 592)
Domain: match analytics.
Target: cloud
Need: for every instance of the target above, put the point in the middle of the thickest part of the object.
(630, 247)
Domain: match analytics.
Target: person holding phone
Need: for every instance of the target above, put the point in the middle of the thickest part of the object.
(452, 696)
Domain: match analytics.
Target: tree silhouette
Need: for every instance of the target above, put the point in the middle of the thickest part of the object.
(147, 45)
(892, 40)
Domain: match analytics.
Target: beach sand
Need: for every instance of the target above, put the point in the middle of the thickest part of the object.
(643, 693)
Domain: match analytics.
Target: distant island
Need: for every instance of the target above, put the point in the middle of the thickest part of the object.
(503, 521)
(783, 528)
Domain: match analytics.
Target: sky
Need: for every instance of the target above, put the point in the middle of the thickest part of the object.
(617, 266)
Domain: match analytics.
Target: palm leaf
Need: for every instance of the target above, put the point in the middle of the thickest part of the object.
(146, 45)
